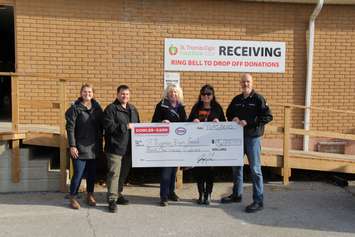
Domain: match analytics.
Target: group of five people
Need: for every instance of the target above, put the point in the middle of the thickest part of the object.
(87, 124)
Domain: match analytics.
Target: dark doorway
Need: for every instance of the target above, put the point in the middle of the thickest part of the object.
(7, 39)
(5, 99)
(7, 59)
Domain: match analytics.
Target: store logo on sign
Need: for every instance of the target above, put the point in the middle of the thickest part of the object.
(173, 50)
(151, 130)
(180, 131)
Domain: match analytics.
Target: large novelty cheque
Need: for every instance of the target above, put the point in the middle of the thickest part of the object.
(187, 144)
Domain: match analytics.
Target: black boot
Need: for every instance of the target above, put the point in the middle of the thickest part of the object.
(207, 198)
(208, 191)
(231, 198)
(200, 187)
(200, 199)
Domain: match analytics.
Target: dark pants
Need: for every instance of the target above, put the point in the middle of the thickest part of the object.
(204, 177)
(80, 168)
(167, 181)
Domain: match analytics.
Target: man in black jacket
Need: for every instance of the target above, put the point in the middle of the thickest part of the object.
(118, 117)
(249, 110)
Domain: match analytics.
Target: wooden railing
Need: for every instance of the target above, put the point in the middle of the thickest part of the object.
(15, 135)
(286, 154)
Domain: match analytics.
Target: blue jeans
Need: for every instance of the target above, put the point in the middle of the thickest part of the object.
(80, 167)
(252, 150)
(167, 181)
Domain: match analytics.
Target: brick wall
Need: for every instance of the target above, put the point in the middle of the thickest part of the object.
(334, 69)
(112, 42)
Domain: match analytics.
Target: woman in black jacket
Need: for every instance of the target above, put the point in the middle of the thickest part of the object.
(170, 109)
(84, 131)
(206, 109)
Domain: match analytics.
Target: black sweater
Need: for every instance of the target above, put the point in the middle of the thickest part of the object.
(216, 112)
(84, 129)
(164, 111)
(254, 110)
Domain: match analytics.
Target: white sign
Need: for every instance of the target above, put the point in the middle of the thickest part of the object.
(187, 144)
(224, 55)
(171, 78)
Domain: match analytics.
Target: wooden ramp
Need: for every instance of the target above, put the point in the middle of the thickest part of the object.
(288, 159)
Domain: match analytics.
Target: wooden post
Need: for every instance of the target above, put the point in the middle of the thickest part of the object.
(63, 140)
(14, 103)
(15, 152)
(286, 145)
(179, 178)
(15, 161)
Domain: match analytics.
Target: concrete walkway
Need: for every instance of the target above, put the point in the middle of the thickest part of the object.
(301, 209)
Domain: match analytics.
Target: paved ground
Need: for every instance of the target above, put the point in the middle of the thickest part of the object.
(301, 209)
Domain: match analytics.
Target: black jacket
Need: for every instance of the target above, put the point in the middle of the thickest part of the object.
(84, 129)
(117, 134)
(215, 112)
(164, 111)
(254, 110)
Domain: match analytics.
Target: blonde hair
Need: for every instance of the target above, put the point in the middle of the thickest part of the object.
(180, 95)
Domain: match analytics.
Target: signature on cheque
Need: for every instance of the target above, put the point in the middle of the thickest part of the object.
(205, 158)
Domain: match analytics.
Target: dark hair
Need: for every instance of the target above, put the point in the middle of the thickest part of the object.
(202, 90)
(122, 87)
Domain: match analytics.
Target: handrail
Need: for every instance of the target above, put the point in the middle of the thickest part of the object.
(312, 107)
(314, 133)
(7, 74)
(50, 77)
(274, 129)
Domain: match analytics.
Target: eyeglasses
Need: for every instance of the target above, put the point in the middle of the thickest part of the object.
(208, 94)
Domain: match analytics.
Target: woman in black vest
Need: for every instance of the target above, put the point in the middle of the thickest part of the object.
(207, 109)
(170, 109)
